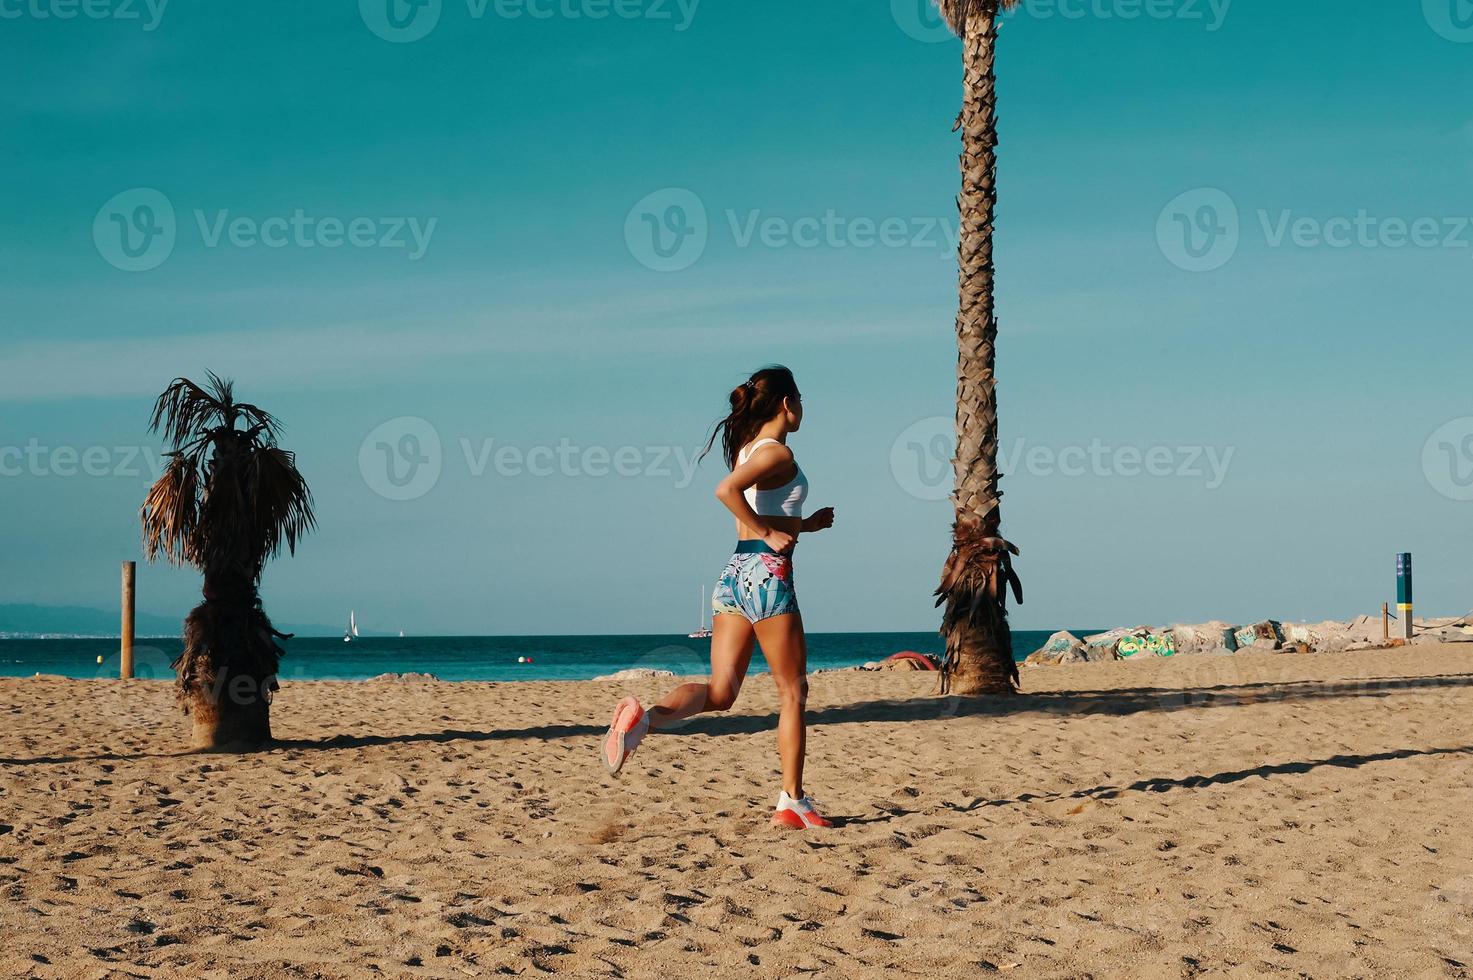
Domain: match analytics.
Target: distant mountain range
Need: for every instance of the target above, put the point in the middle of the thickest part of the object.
(29, 620)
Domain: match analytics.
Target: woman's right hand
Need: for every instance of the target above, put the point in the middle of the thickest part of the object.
(780, 541)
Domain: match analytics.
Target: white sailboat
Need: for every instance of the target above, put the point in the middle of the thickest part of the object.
(351, 633)
(704, 632)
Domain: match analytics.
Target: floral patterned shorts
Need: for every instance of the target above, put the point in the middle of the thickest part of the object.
(757, 583)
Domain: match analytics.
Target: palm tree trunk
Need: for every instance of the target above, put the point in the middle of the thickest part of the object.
(227, 674)
(231, 722)
(974, 583)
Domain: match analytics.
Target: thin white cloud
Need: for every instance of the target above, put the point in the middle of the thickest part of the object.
(348, 355)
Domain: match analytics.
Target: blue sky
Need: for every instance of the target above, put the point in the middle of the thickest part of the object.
(1298, 385)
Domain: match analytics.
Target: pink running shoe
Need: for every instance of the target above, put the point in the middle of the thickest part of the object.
(798, 814)
(630, 725)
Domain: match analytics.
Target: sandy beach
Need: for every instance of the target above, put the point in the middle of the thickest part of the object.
(1303, 815)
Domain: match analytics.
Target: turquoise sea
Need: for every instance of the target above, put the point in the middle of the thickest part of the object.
(469, 658)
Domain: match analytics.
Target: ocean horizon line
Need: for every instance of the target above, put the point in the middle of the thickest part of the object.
(4, 635)
(472, 658)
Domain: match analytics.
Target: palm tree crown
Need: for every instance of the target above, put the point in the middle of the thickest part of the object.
(956, 12)
(229, 497)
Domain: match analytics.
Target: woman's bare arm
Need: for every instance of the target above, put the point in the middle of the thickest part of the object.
(731, 491)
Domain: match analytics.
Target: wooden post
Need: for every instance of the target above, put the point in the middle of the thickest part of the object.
(1385, 623)
(130, 573)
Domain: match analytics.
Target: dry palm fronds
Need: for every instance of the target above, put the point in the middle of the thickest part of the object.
(956, 12)
(974, 585)
(229, 497)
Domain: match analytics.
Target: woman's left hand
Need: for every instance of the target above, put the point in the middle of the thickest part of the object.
(819, 520)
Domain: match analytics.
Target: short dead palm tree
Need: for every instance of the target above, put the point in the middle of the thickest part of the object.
(979, 570)
(227, 501)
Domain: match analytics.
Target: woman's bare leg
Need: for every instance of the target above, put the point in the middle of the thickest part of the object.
(786, 650)
(731, 653)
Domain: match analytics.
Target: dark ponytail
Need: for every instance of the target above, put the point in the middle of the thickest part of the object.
(753, 403)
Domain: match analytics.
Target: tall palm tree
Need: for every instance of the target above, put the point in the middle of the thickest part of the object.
(979, 570)
(226, 502)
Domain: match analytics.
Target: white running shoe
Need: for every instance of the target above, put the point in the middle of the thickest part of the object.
(798, 814)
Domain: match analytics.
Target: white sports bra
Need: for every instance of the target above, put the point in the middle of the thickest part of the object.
(784, 501)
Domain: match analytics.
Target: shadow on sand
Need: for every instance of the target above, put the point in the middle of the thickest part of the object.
(1119, 702)
(1163, 784)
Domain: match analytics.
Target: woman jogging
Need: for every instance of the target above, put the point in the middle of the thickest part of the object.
(754, 600)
